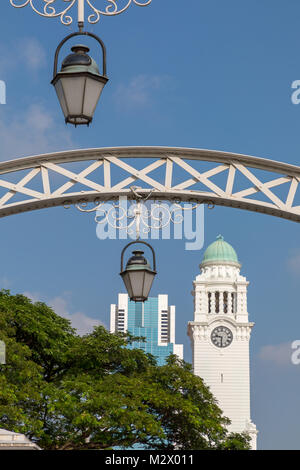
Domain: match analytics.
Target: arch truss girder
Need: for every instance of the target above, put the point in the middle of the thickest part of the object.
(100, 179)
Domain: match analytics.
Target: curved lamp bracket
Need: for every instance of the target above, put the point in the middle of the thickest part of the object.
(80, 33)
(132, 243)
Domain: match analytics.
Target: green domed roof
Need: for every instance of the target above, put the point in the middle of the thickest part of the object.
(220, 252)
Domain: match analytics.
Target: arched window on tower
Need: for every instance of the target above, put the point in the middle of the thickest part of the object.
(217, 297)
(225, 302)
(209, 302)
(233, 302)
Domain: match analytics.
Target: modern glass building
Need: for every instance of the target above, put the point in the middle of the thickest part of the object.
(152, 319)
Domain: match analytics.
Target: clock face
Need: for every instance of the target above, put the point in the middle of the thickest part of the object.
(221, 336)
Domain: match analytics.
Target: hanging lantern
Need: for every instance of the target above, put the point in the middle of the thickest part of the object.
(79, 83)
(138, 275)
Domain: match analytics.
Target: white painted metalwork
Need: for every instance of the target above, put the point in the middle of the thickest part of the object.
(162, 173)
(58, 8)
(138, 219)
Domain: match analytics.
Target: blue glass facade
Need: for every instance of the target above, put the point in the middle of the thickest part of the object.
(143, 320)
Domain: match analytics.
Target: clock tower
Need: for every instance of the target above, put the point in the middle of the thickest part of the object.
(220, 334)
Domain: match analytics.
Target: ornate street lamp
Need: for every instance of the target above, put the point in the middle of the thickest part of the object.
(79, 83)
(138, 275)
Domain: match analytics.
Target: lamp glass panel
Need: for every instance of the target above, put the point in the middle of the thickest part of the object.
(137, 282)
(60, 95)
(74, 93)
(148, 280)
(93, 90)
(126, 280)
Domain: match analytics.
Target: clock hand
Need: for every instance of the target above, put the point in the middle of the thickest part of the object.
(222, 336)
(219, 336)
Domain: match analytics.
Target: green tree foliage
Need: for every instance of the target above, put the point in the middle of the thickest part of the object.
(69, 392)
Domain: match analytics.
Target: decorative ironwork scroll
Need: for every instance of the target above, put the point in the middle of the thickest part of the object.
(63, 9)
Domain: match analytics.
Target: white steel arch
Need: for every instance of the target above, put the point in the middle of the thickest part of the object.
(98, 183)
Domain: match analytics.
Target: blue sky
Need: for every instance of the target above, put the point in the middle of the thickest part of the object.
(205, 74)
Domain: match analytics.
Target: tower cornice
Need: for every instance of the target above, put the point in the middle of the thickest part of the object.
(222, 318)
(200, 331)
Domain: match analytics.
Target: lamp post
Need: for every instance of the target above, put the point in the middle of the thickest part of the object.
(138, 275)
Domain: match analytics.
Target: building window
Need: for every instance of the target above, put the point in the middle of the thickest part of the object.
(120, 320)
(225, 302)
(217, 301)
(164, 326)
(209, 302)
(233, 302)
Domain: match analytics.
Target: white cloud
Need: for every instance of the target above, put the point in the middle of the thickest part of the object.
(81, 322)
(278, 354)
(293, 263)
(26, 53)
(34, 296)
(138, 92)
(5, 283)
(32, 132)
(33, 54)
